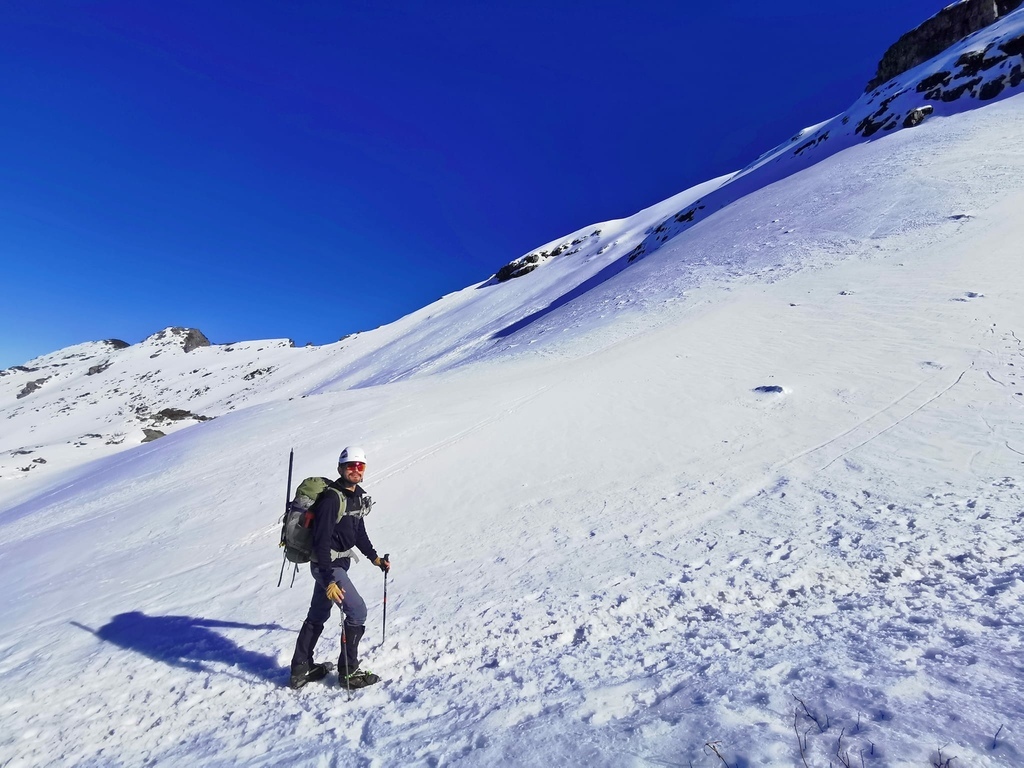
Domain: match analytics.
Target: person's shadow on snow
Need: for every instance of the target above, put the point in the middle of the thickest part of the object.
(188, 642)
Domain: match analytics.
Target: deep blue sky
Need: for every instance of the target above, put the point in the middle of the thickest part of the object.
(307, 169)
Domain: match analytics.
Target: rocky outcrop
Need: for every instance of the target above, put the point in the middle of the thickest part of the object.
(194, 338)
(942, 30)
(17, 369)
(969, 74)
(188, 338)
(93, 370)
(917, 116)
(524, 265)
(518, 268)
(31, 387)
(178, 414)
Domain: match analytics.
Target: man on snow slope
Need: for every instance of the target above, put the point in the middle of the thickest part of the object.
(337, 532)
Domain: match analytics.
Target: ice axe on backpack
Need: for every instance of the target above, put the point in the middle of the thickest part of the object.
(287, 503)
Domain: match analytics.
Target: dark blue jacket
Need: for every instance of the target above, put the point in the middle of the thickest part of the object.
(340, 536)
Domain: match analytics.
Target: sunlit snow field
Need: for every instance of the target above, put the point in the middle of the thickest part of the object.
(608, 547)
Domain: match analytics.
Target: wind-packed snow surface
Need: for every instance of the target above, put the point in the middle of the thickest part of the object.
(755, 499)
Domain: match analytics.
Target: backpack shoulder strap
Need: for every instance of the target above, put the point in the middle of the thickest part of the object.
(342, 501)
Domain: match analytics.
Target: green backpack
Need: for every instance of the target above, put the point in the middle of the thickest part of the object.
(297, 525)
(297, 522)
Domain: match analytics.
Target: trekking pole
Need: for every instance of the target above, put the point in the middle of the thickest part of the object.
(344, 652)
(287, 501)
(384, 618)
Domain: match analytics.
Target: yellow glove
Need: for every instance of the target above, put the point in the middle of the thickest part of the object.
(335, 593)
(383, 563)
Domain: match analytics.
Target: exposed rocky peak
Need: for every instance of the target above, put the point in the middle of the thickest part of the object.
(99, 397)
(947, 27)
(178, 337)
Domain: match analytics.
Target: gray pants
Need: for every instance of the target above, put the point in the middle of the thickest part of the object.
(352, 604)
(320, 605)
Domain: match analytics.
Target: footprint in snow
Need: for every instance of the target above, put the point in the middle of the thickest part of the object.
(770, 389)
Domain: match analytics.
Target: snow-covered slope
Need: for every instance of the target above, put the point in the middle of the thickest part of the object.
(756, 493)
(98, 400)
(100, 397)
(983, 67)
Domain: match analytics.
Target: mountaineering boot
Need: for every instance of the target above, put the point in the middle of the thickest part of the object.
(349, 660)
(306, 642)
(349, 674)
(358, 679)
(304, 672)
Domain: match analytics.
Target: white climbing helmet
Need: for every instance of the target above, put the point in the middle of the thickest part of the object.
(352, 453)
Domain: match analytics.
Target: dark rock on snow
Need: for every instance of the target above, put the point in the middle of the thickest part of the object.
(93, 370)
(917, 116)
(178, 414)
(195, 338)
(518, 268)
(31, 387)
(190, 338)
